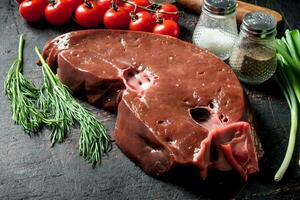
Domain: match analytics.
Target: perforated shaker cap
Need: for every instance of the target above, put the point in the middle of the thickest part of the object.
(259, 24)
(220, 7)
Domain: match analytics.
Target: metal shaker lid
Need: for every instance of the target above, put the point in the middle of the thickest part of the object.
(259, 24)
(220, 7)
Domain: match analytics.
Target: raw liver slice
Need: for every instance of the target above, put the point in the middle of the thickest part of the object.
(177, 104)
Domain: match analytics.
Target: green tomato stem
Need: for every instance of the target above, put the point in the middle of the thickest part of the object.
(180, 13)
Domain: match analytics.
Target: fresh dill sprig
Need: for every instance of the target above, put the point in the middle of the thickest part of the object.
(52, 105)
(93, 140)
(22, 95)
(59, 104)
(52, 100)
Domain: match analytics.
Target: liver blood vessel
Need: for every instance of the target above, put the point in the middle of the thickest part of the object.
(176, 104)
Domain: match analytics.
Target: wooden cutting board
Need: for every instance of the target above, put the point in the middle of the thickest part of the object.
(242, 9)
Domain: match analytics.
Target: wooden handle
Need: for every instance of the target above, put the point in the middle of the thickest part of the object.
(242, 9)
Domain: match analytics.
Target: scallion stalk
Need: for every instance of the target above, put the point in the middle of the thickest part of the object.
(287, 89)
(287, 76)
(292, 50)
(295, 34)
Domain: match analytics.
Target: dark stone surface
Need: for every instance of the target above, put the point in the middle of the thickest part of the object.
(31, 169)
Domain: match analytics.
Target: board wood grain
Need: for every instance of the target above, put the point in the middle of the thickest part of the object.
(242, 9)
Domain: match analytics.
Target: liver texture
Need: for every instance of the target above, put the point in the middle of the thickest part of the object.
(177, 104)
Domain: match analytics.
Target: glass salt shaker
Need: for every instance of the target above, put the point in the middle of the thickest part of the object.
(254, 54)
(216, 29)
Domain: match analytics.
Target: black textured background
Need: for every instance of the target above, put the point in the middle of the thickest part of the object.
(30, 169)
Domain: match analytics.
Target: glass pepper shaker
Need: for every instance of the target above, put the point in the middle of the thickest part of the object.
(254, 54)
(216, 29)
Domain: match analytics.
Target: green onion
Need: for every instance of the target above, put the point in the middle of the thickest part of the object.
(288, 92)
(295, 34)
(292, 50)
(282, 49)
(287, 76)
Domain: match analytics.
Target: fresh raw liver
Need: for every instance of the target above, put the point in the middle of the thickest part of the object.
(177, 104)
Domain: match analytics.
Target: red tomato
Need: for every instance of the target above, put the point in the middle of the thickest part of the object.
(129, 8)
(89, 14)
(119, 3)
(143, 22)
(104, 4)
(58, 13)
(107, 3)
(19, 1)
(116, 19)
(168, 8)
(32, 10)
(74, 3)
(167, 27)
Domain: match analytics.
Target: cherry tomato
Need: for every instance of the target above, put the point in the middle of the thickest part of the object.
(58, 12)
(19, 1)
(104, 4)
(74, 3)
(167, 27)
(168, 8)
(120, 3)
(129, 8)
(144, 21)
(32, 10)
(89, 14)
(116, 19)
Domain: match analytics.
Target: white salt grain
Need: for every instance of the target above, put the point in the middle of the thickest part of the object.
(218, 42)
